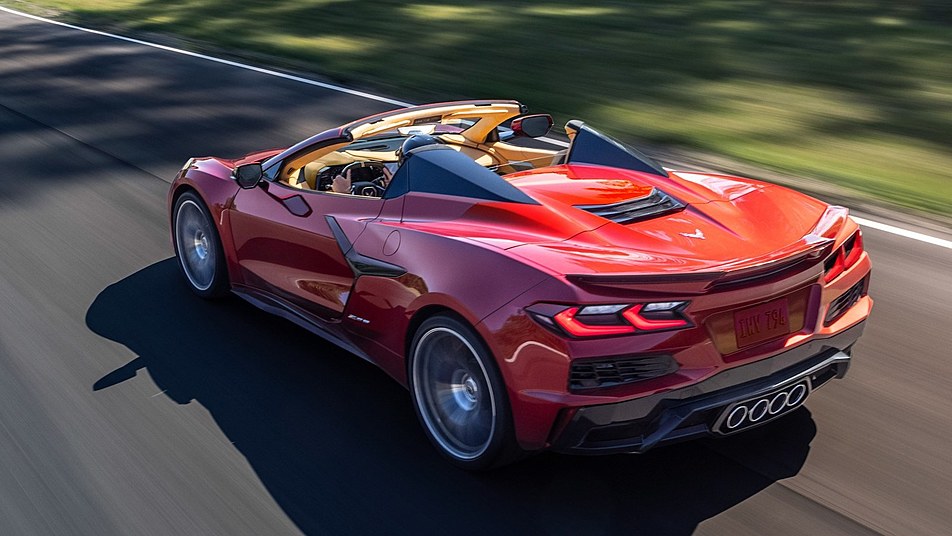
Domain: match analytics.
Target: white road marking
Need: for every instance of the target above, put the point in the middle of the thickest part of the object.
(286, 76)
(363, 94)
(903, 232)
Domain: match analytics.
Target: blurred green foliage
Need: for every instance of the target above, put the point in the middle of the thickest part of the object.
(857, 93)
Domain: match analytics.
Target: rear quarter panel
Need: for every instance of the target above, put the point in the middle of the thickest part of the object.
(468, 278)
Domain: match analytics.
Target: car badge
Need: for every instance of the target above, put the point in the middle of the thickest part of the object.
(696, 234)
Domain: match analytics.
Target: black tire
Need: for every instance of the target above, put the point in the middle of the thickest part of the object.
(198, 249)
(459, 395)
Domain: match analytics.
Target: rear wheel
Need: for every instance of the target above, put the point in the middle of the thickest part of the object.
(459, 395)
(198, 247)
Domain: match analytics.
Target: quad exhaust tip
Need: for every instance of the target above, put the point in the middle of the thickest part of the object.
(764, 408)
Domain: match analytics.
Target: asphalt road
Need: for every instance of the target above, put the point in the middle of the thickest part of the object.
(128, 406)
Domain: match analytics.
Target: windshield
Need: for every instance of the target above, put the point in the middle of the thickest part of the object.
(429, 125)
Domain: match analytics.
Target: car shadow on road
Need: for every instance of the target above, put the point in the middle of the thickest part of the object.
(337, 446)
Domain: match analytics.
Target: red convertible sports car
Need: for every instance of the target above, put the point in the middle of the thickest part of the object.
(586, 300)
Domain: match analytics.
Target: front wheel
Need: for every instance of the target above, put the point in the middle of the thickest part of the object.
(459, 395)
(198, 247)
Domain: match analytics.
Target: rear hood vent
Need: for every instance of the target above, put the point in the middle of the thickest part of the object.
(656, 203)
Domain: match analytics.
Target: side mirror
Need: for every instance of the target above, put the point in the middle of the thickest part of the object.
(532, 126)
(248, 175)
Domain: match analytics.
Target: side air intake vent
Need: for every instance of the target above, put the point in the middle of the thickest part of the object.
(587, 374)
(652, 205)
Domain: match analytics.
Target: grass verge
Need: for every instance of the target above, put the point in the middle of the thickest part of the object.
(856, 94)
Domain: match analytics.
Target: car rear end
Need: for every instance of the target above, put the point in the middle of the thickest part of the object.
(601, 363)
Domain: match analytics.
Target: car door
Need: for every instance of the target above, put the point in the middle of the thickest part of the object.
(285, 245)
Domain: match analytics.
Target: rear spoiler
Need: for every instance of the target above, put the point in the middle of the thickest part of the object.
(805, 256)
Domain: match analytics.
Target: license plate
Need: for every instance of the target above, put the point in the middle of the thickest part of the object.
(761, 322)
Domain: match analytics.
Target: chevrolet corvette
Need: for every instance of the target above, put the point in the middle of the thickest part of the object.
(583, 300)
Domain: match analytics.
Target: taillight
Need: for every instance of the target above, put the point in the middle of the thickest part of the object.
(577, 327)
(845, 256)
(640, 316)
(852, 249)
(610, 320)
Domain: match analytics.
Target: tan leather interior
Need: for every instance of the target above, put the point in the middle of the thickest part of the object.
(507, 152)
(306, 177)
(303, 170)
(297, 180)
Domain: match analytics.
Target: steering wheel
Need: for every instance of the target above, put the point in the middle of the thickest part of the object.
(371, 188)
(367, 189)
